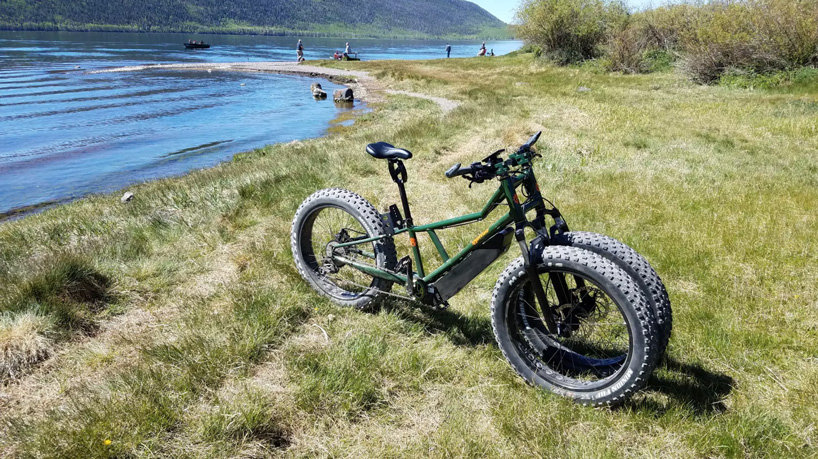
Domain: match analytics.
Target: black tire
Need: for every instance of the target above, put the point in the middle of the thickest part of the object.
(637, 266)
(590, 372)
(309, 235)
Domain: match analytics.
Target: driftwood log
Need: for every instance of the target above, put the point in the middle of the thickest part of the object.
(344, 95)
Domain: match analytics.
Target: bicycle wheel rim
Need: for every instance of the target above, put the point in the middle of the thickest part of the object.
(317, 233)
(582, 362)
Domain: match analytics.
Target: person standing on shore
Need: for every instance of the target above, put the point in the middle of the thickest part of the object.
(448, 50)
(299, 51)
(347, 51)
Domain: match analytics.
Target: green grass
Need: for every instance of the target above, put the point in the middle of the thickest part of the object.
(199, 339)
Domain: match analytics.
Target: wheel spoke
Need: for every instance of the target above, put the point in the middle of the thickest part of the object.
(593, 339)
(327, 225)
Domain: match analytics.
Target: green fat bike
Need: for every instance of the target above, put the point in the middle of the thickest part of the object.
(580, 314)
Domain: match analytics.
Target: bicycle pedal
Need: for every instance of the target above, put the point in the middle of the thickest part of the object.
(403, 263)
(404, 266)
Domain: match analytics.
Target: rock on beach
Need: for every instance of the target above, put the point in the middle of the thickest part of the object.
(317, 91)
(344, 95)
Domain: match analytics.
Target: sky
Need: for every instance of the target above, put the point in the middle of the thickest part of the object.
(505, 9)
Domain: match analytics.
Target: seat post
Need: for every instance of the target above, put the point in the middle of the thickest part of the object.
(399, 176)
(398, 172)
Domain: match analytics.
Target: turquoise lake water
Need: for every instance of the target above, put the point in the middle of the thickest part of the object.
(65, 133)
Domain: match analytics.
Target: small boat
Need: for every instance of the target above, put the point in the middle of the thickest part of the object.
(196, 45)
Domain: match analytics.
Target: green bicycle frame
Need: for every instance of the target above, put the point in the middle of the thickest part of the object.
(505, 194)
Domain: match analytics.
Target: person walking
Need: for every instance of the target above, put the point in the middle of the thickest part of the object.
(299, 51)
(448, 50)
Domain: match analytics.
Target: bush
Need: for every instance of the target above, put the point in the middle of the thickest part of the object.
(529, 48)
(570, 31)
(626, 51)
(754, 36)
(724, 40)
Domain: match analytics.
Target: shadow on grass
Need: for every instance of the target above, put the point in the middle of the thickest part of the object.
(688, 386)
(691, 386)
(460, 329)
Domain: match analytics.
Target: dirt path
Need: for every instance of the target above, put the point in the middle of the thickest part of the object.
(446, 105)
(363, 84)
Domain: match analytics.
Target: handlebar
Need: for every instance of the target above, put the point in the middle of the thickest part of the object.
(534, 138)
(456, 170)
(487, 169)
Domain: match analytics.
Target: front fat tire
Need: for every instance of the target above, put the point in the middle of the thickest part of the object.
(369, 218)
(634, 264)
(619, 286)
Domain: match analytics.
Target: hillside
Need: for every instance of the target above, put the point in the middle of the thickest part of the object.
(409, 18)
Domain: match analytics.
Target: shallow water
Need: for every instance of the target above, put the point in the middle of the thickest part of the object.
(65, 133)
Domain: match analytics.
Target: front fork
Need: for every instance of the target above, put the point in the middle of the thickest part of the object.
(557, 280)
(536, 284)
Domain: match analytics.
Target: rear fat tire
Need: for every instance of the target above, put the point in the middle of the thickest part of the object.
(639, 269)
(614, 282)
(369, 218)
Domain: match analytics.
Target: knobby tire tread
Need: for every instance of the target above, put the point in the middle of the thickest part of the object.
(637, 266)
(515, 272)
(356, 204)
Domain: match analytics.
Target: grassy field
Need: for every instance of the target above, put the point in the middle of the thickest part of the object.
(177, 325)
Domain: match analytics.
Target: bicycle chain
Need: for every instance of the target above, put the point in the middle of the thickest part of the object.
(442, 307)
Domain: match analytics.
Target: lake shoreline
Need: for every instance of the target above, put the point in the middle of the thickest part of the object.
(365, 87)
(362, 83)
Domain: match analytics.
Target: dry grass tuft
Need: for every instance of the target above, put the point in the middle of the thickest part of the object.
(23, 342)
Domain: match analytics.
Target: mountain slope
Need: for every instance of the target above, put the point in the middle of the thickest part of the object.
(366, 17)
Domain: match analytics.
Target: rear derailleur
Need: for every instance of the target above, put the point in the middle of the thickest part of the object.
(329, 265)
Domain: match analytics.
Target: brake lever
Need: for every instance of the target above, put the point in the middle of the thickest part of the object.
(472, 179)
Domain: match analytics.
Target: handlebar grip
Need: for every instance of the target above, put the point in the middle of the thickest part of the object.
(457, 171)
(452, 172)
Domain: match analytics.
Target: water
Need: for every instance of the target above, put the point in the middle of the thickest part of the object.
(65, 133)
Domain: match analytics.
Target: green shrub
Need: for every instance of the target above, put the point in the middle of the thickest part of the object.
(755, 36)
(570, 31)
(661, 28)
(658, 60)
(530, 48)
(736, 42)
(648, 41)
(626, 51)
